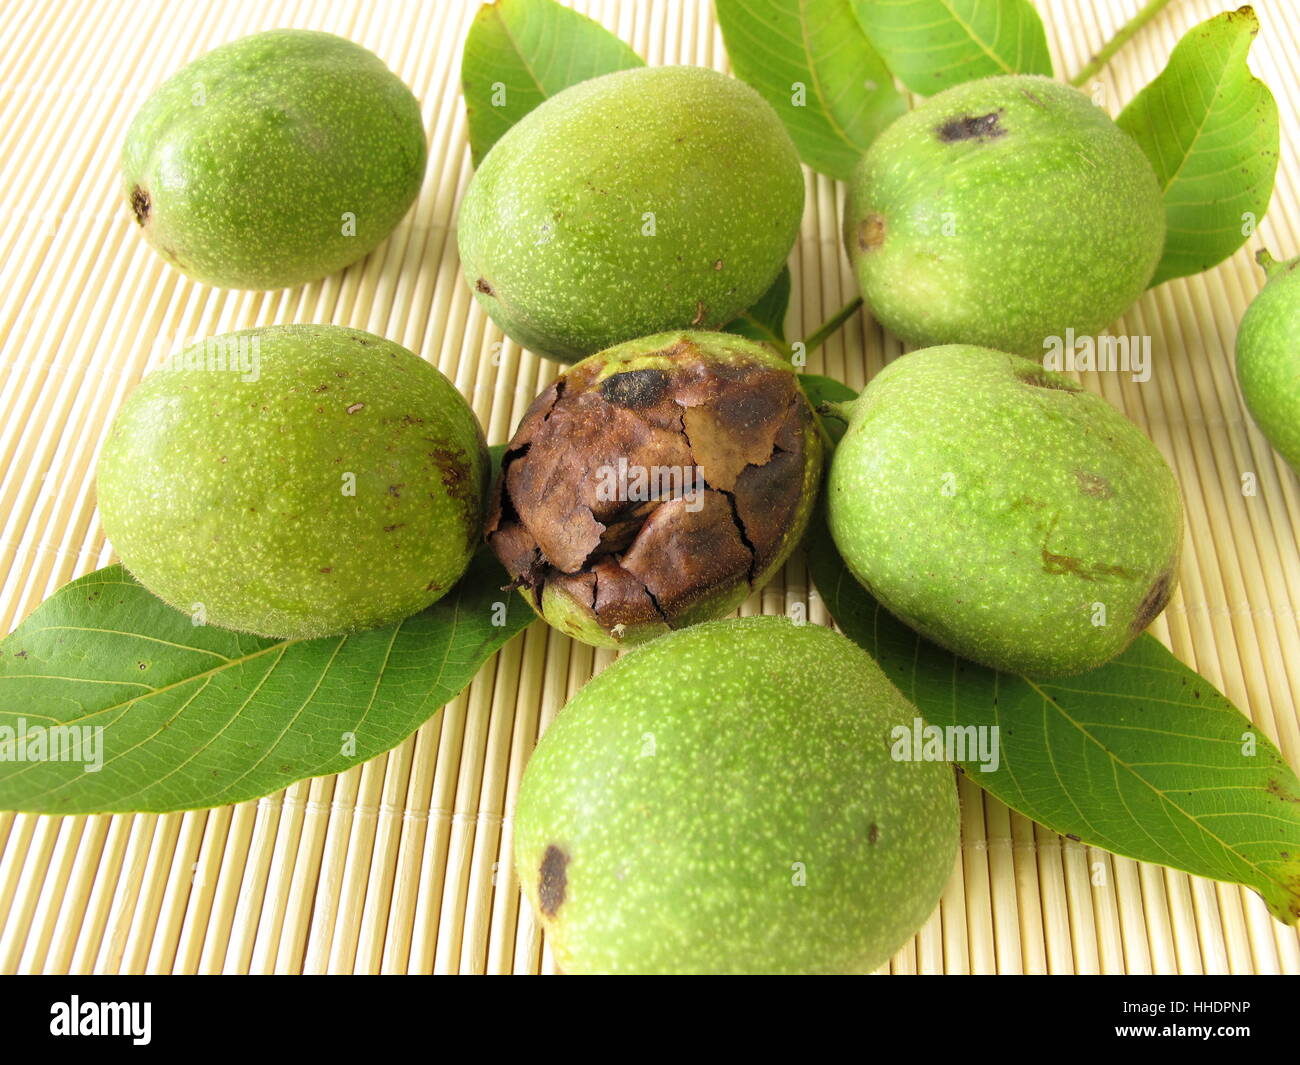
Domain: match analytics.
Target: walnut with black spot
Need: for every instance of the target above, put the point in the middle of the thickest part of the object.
(1004, 511)
(656, 485)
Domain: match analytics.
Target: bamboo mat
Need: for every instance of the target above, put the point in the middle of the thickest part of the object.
(402, 864)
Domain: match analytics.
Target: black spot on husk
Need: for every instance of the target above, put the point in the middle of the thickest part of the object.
(552, 880)
(1156, 599)
(140, 204)
(972, 128)
(635, 389)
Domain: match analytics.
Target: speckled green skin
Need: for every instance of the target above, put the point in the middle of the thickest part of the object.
(249, 187)
(992, 513)
(1268, 357)
(231, 493)
(551, 227)
(692, 782)
(1054, 223)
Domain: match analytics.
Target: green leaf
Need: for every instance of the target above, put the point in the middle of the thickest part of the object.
(520, 52)
(1142, 757)
(1210, 129)
(196, 716)
(821, 390)
(811, 61)
(765, 321)
(934, 44)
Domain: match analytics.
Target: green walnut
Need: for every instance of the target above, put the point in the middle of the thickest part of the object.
(1004, 512)
(273, 160)
(724, 800)
(641, 201)
(1003, 212)
(655, 485)
(295, 481)
(1268, 357)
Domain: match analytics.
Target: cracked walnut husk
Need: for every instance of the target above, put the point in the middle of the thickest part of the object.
(655, 485)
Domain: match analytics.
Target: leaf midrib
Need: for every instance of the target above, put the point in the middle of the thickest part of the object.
(831, 117)
(970, 32)
(1216, 98)
(505, 28)
(230, 663)
(1162, 795)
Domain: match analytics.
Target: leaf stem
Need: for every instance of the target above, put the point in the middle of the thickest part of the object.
(839, 411)
(775, 341)
(1272, 267)
(1148, 11)
(830, 326)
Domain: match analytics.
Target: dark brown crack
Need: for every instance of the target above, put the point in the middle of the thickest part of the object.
(658, 607)
(637, 494)
(481, 285)
(616, 590)
(731, 501)
(140, 204)
(622, 531)
(552, 880)
(556, 391)
(980, 128)
(744, 537)
(681, 554)
(1156, 599)
(765, 495)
